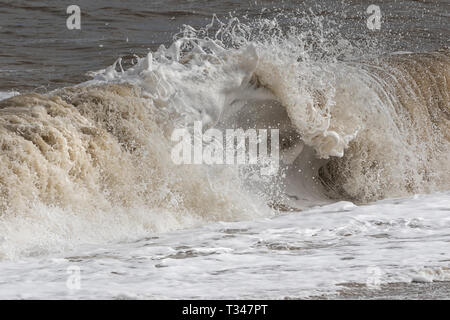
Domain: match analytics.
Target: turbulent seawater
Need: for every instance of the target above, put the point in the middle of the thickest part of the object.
(361, 200)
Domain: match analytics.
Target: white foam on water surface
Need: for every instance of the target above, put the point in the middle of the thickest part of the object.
(8, 94)
(296, 255)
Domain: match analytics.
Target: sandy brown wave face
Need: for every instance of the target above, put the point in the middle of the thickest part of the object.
(94, 149)
(98, 148)
(404, 147)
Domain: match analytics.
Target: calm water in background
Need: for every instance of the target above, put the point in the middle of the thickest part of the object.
(39, 53)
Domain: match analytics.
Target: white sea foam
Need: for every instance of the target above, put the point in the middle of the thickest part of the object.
(295, 255)
(8, 94)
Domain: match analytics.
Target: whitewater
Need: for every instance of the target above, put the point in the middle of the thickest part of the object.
(361, 199)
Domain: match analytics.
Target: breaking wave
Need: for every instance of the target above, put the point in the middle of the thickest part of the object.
(91, 163)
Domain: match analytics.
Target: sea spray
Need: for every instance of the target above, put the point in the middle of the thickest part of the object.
(91, 163)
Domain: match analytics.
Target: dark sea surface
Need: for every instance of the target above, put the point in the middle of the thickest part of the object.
(39, 53)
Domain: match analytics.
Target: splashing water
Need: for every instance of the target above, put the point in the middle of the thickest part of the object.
(90, 164)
